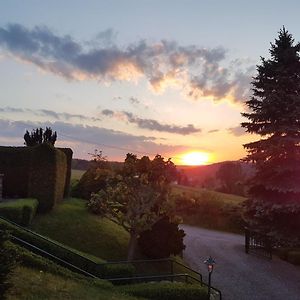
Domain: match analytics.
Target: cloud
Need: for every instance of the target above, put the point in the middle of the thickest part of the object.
(115, 143)
(213, 131)
(151, 124)
(49, 113)
(237, 131)
(197, 71)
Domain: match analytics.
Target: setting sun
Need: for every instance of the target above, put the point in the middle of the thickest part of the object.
(195, 158)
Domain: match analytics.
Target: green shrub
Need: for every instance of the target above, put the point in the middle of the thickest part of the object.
(294, 257)
(20, 211)
(162, 240)
(92, 181)
(166, 291)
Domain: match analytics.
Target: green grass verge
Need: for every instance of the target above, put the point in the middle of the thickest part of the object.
(71, 224)
(21, 211)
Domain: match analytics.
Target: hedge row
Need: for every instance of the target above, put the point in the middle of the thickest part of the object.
(41, 172)
(166, 291)
(291, 255)
(20, 211)
(69, 154)
(32, 260)
(77, 258)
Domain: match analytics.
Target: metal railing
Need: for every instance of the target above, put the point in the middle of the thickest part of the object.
(95, 272)
(50, 256)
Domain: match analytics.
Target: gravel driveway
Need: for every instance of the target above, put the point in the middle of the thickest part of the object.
(238, 275)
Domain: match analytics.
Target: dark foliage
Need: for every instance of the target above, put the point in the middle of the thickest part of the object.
(38, 172)
(92, 181)
(163, 240)
(231, 176)
(274, 111)
(40, 136)
(7, 261)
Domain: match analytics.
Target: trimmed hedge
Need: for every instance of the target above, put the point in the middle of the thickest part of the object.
(15, 165)
(32, 260)
(38, 172)
(69, 154)
(166, 291)
(21, 211)
(82, 260)
(292, 255)
(47, 176)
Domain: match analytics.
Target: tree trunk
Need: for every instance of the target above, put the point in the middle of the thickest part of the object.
(132, 246)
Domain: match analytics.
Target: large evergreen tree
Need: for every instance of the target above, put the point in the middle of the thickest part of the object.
(274, 113)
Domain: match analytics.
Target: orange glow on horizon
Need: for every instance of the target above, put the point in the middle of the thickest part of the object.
(195, 158)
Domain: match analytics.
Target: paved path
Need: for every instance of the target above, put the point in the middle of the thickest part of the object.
(238, 275)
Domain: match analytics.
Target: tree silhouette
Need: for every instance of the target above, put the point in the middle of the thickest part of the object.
(40, 136)
(274, 114)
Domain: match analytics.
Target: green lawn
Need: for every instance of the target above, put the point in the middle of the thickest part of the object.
(71, 224)
(32, 284)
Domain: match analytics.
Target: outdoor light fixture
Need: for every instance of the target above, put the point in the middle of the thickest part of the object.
(210, 262)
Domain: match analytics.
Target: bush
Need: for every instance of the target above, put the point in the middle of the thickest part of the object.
(166, 291)
(163, 240)
(21, 211)
(294, 257)
(92, 181)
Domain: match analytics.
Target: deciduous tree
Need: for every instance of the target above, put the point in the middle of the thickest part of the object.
(137, 198)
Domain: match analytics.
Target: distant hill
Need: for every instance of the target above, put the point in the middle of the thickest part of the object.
(195, 174)
(83, 164)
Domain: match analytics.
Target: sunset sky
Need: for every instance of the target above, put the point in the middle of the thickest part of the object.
(148, 77)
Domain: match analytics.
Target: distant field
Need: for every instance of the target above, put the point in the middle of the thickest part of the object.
(76, 174)
(191, 191)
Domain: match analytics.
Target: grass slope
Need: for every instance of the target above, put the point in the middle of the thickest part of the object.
(32, 284)
(71, 224)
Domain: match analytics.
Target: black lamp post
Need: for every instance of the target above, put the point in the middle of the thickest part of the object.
(210, 262)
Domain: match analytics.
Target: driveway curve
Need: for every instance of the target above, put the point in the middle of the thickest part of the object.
(238, 275)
